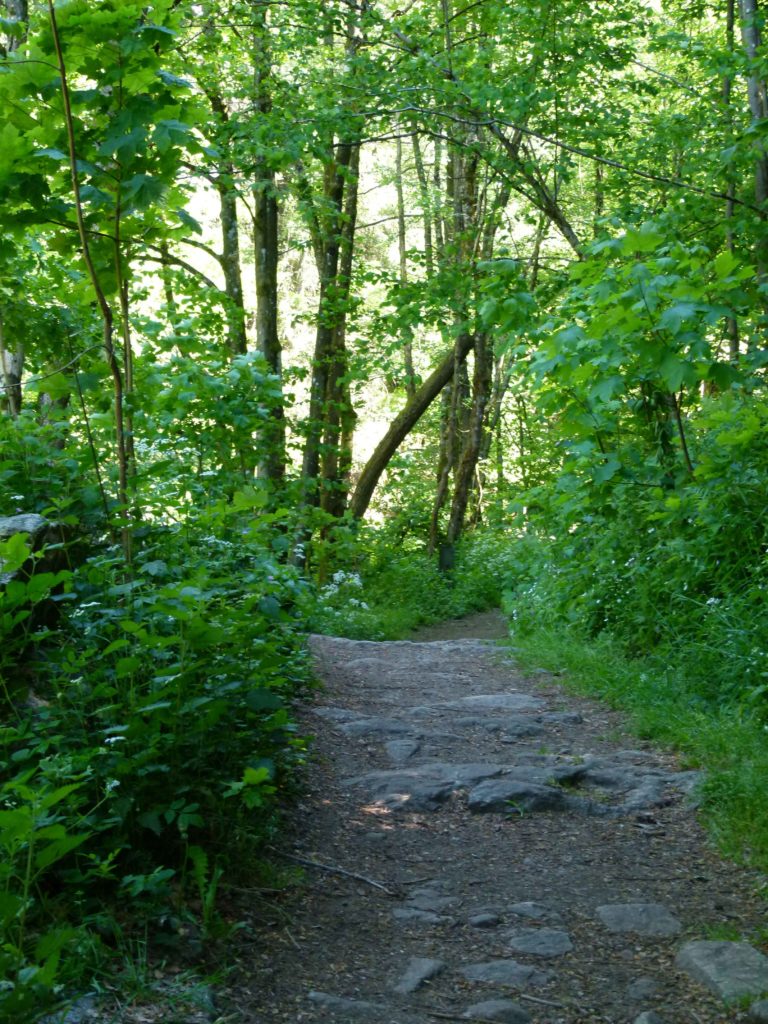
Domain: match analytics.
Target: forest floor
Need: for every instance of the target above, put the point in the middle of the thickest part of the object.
(478, 843)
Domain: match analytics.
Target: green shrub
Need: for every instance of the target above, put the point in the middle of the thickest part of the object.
(157, 747)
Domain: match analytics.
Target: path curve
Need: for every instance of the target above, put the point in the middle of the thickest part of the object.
(480, 845)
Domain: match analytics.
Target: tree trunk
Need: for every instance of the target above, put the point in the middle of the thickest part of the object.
(450, 440)
(339, 412)
(326, 337)
(758, 105)
(403, 424)
(426, 205)
(230, 243)
(18, 12)
(481, 383)
(230, 262)
(11, 366)
(732, 325)
(271, 465)
(756, 89)
(410, 376)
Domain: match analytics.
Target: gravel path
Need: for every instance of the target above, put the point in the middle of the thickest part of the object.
(480, 845)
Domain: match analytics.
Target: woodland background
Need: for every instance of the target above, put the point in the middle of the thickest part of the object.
(341, 317)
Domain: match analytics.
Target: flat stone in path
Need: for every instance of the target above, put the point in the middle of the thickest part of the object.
(535, 911)
(651, 920)
(422, 788)
(732, 970)
(376, 727)
(758, 1011)
(507, 972)
(540, 942)
(349, 1007)
(499, 796)
(502, 1010)
(400, 751)
(485, 702)
(649, 1017)
(486, 919)
(431, 900)
(414, 915)
(517, 725)
(419, 970)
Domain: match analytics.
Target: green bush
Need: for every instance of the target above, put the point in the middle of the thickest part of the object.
(157, 746)
(389, 590)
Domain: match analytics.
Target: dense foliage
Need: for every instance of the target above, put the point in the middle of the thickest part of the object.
(343, 317)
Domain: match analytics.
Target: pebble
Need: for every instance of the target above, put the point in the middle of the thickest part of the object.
(484, 920)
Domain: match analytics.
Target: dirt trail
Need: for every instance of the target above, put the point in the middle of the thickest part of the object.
(494, 849)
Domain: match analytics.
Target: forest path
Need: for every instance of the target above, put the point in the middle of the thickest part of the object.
(513, 855)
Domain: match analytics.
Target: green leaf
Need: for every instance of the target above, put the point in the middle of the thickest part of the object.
(60, 848)
(646, 239)
(263, 700)
(724, 263)
(602, 474)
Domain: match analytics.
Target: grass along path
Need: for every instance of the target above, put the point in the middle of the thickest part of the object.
(728, 741)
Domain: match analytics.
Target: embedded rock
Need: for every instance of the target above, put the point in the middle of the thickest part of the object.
(516, 701)
(732, 970)
(429, 900)
(400, 751)
(349, 1007)
(540, 942)
(422, 788)
(485, 920)
(506, 972)
(502, 1010)
(414, 915)
(651, 920)
(535, 911)
(419, 970)
(40, 530)
(376, 727)
(513, 795)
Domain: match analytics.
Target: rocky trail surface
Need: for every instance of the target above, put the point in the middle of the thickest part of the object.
(480, 845)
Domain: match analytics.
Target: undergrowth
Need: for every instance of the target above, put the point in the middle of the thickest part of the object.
(147, 747)
(384, 591)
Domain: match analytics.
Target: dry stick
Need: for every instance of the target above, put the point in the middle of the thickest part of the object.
(442, 1015)
(101, 299)
(538, 999)
(333, 869)
(89, 435)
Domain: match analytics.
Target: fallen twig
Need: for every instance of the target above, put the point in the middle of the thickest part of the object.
(537, 999)
(334, 869)
(443, 1015)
